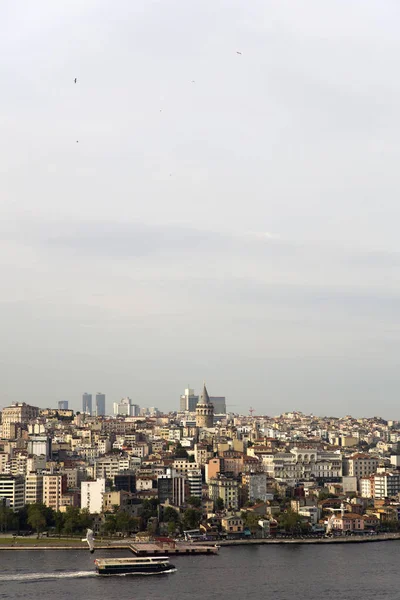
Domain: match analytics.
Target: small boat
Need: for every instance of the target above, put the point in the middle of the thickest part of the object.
(152, 565)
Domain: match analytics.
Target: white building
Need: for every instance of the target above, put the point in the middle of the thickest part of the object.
(195, 482)
(125, 408)
(13, 489)
(92, 495)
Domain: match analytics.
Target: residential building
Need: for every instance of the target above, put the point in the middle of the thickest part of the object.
(92, 495)
(18, 413)
(360, 465)
(232, 524)
(33, 488)
(195, 482)
(54, 486)
(227, 489)
(12, 488)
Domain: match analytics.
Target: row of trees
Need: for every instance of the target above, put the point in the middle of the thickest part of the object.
(39, 518)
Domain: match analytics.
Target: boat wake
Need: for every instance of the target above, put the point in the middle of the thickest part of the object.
(141, 574)
(46, 576)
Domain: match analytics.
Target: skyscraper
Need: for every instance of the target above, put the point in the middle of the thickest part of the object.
(100, 405)
(219, 404)
(63, 405)
(188, 400)
(87, 403)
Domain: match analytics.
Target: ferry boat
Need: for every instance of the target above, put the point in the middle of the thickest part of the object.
(151, 565)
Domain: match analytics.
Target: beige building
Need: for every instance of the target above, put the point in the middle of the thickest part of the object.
(53, 488)
(232, 524)
(360, 465)
(20, 412)
(33, 488)
(227, 489)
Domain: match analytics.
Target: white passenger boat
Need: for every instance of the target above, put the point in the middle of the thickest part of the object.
(152, 565)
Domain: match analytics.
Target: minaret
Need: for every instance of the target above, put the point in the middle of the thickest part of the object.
(204, 411)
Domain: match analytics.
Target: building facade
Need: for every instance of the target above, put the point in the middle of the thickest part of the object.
(12, 488)
(92, 495)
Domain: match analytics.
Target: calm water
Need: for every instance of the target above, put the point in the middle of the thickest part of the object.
(352, 572)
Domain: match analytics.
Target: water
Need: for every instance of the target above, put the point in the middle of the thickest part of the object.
(349, 571)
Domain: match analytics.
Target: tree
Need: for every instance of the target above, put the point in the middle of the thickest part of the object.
(170, 514)
(171, 527)
(7, 518)
(194, 501)
(191, 518)
(123, 521)
(72, 521)
(290, 521)
(36, 518)
(219, 504)
(180, 452)
(59, 522)
(110, 525)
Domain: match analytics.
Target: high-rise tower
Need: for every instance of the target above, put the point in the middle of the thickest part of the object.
(204, 411)
(87, 403)
(100, 405)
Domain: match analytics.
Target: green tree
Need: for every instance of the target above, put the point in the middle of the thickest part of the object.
(291, 522)
(219, 504)
(110, 524)
(170, 514)
(171, 527)
(191, 518)
(180, 452)
(7, 518)
(72, 520)
(58, 522)
(194, 501)
(36, 518)
(123, 521)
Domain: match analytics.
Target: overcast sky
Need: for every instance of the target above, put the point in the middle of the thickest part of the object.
(186, 213)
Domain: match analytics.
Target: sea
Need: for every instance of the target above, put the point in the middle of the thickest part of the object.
(348, 571)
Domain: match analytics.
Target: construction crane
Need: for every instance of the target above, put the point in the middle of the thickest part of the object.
(251, 411)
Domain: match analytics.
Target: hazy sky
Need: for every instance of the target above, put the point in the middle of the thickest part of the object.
(225, 217)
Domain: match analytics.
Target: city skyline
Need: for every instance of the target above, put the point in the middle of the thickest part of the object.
(215, 197)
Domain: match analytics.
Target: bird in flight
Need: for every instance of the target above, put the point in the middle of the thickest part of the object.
(75, 80)
(89, 539)
(237, 52)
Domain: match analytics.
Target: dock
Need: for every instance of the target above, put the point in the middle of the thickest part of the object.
(171, 548)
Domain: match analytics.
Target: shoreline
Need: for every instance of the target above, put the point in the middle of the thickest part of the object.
(20, 545)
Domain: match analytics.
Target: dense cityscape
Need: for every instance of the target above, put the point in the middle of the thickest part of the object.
(199, 472)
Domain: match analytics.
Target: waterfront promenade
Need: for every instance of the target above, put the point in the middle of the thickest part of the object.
(23, 543)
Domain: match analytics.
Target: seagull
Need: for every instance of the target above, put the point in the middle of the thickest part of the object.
(89, 539)
(75, 80)
(237, 52)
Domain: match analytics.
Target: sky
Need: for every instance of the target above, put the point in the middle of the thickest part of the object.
(214, 200)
